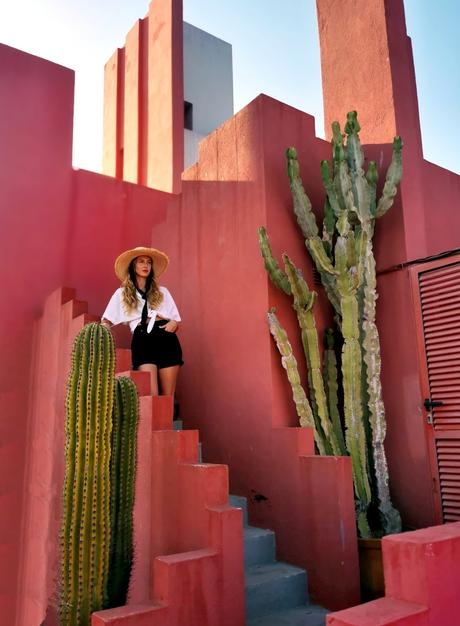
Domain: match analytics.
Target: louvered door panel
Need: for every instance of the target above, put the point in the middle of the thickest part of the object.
(440, 303)
(448, 454)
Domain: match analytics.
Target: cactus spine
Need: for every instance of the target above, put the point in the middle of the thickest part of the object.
(345, 261)
(122, 479)
(85, 536)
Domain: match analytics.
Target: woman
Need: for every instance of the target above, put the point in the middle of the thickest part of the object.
(151, 314)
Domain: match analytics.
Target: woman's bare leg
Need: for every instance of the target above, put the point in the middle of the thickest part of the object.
(168, 379)
(148, 367)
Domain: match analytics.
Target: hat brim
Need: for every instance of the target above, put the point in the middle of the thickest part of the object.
(159, 259)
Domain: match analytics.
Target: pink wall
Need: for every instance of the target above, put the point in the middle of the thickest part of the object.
(59, 226)
(28, 152)
(69, 226)
(72, 225)
(424, 220)
(144, 102)
(233, 387)
(405, 443)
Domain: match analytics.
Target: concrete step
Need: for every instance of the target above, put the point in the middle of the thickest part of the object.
(178, 425)
(140, 379)
(122, 360)
(309, 615)
(273, 587)
(240, 502)
(259, 546)
(386, 612)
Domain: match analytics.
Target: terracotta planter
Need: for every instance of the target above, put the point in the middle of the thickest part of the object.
(371, 569)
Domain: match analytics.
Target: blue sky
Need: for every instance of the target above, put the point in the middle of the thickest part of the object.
(275, 51)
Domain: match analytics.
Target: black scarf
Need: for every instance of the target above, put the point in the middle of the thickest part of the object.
(145, 308)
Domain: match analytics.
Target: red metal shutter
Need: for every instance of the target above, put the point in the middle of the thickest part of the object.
(440, 300)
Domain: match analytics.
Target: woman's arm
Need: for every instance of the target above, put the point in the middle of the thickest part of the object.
(171, 326)
(107, 323)
(170, 312)
(113, 313)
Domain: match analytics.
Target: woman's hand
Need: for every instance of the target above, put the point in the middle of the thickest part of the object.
(171, 326)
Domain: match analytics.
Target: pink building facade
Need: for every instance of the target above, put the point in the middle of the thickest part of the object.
(63, 228)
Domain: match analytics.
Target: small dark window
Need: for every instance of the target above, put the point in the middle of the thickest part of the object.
(188, 115)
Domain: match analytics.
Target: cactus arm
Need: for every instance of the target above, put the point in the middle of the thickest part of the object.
(331, 388)
(338, 156)
(392, 179)
(330, 189)
(290, 365)
(343, 179)
(319, 256)
(391, 520)
(328, 228)
(307, 222)
(123, 470)
(116, 495)
(304, 301)
(325, 268)
(277, 276)
(351, 370)
(355, 159)
(302, 205)
(372, 179)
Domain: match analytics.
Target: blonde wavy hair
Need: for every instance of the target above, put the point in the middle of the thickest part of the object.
(129, 295)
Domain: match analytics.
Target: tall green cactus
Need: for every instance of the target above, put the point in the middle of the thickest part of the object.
(85, 535)
(98, 495)
(122, 478)
(345, 261)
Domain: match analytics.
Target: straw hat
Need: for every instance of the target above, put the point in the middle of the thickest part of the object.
(159, 259)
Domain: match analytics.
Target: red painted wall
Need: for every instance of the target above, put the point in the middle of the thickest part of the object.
(29, 154)
(65, 227)
(58, 226)
(144, 102)
(424, 220)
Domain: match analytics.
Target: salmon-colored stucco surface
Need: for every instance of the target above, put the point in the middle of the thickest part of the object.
(60, 232)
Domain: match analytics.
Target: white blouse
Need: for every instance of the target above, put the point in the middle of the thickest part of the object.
(116, 312)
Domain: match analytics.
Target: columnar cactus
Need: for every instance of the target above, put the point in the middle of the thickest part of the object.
(122, 477)
(98, 497)
(344, 259)
(85, 536)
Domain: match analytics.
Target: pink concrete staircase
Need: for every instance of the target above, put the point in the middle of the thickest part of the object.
(187, 538)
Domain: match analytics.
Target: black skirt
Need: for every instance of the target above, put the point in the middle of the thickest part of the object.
(159, 347)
